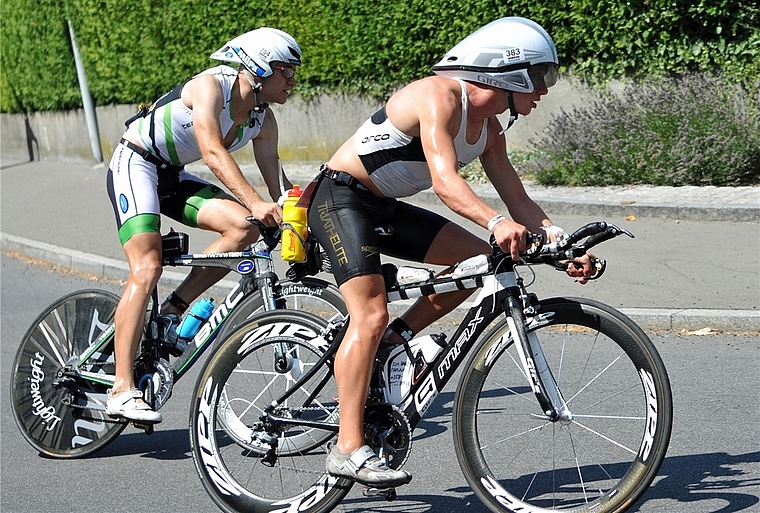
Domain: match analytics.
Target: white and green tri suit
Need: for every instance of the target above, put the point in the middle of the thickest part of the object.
(144, 184)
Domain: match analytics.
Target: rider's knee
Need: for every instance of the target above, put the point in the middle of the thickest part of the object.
(146, 273)
(371, 324)
(242, 234)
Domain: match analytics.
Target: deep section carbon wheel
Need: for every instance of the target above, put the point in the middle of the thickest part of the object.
(606, 455)
(245, 461)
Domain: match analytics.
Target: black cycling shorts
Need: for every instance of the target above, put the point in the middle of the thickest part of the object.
(343, 220)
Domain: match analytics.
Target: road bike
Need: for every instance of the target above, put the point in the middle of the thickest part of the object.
(562, 404)
(65, 363)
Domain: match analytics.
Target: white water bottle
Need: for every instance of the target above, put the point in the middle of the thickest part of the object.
(470, 267)
(400, 374)
(406, 275)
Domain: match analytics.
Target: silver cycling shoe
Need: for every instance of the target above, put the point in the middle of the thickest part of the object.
(364, 467)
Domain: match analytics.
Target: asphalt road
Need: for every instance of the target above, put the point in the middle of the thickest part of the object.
(713, 464)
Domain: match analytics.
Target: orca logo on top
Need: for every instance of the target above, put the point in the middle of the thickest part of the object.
(376, 138)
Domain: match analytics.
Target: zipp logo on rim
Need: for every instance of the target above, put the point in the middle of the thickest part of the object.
(312, 496)
(503, 498)
(215, 471)
(651, 426)
(276, 329)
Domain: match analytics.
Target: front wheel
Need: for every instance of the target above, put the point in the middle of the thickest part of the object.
(606, 455)
(58, 413)
(245, 462)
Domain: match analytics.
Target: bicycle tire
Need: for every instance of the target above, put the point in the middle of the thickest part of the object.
(614, 382)
(312, 295)
(240, 375)
(60, 333)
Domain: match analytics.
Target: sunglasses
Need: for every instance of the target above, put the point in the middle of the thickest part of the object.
(543, 75)
(288, 73)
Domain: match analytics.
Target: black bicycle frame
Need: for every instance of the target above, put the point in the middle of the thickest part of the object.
(489, 305)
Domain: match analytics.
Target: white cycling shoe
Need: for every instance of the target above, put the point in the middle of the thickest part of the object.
(126, 406)
(364, 467)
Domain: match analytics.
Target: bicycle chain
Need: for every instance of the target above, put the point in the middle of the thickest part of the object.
(106, 418)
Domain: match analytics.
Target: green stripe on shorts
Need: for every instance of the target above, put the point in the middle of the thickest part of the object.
(196, 201)
(141, 223)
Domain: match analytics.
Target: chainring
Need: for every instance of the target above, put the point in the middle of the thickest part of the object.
(161, 377)
(387, 431)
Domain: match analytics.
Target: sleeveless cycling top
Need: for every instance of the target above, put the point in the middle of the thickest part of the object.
(395, 161)
(168, 133)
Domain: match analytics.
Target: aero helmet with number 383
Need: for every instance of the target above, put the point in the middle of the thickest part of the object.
(514, 54)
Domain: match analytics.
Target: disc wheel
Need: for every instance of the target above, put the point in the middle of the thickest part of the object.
(59, 414)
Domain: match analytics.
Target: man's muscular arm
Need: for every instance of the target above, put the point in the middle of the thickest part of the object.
(205, 98)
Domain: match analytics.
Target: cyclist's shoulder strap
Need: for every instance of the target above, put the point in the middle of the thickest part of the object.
(144, 108)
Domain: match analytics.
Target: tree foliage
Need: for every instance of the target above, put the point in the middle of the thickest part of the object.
(134, 51)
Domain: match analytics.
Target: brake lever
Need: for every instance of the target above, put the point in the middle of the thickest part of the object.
(585, 231)
(610, 232)
(598, 264)
(270, 234)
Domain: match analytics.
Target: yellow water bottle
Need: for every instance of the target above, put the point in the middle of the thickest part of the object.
(294, 229)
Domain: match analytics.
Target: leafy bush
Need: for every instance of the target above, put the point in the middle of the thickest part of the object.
(474, 173)
(36, 62)
(693, 130)
(134, 51)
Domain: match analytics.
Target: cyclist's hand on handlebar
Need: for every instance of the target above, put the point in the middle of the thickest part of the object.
(581, 268)
(268, 213)
(511, 237)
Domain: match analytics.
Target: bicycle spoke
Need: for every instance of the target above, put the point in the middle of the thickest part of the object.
(53, 341)
(579, 464)
(279, 463)
(61, 413)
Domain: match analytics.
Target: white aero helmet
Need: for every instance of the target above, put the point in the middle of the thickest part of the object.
(509, 53)
(258, 48)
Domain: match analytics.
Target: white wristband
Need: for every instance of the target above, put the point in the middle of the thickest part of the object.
(494, 221)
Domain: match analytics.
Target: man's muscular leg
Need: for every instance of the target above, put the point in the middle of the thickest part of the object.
(227, 217)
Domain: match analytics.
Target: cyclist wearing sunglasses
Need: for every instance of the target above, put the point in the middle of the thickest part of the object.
(425, 133)
(206, 118)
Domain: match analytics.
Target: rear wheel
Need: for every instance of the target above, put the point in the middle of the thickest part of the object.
(58, 414)
(247, 463)
(312, 295)
(617, 389)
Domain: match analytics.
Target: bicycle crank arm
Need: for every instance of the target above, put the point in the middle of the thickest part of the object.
(276, 420)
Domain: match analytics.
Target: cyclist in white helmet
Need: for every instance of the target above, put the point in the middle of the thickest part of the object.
(206, 118)
(425, 133)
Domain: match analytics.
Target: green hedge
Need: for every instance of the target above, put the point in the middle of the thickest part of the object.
(134, 51)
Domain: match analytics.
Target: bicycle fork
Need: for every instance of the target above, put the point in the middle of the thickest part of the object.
(535, 366)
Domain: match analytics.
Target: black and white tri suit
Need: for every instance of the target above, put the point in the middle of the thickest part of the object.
(343, 213)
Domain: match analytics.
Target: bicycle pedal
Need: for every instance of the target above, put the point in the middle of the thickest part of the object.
(389, 494)
(148, 428)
